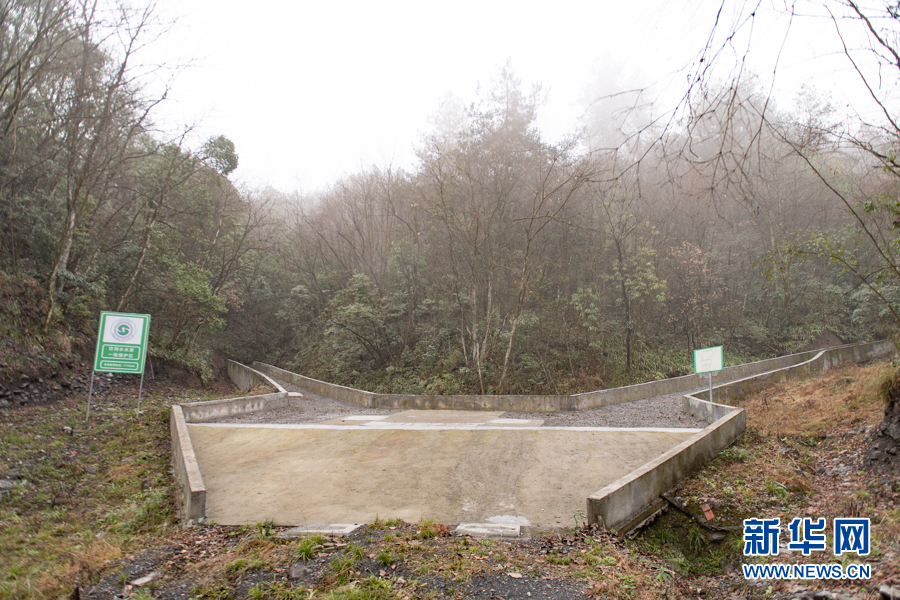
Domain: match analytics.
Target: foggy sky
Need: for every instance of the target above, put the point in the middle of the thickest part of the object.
(311, 91)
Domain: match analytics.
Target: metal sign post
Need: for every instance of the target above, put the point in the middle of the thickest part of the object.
(141, 389)
(708, 360)
(121, 348)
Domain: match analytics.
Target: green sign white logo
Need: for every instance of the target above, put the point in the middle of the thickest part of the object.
(121, 343)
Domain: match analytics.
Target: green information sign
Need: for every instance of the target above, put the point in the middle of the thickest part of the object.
(121, 343)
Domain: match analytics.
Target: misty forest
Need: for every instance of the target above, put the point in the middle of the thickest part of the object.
(501, 262)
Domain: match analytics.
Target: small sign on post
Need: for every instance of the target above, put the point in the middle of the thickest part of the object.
(708, 360)
(121, 348)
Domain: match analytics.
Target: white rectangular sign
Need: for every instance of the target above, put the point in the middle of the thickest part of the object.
(707, 360)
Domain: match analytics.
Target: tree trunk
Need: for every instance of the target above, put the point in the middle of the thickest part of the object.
(885, 451)
(520, 299)
(626, 304)
(628, 327)
(145, 245)
(55, 284)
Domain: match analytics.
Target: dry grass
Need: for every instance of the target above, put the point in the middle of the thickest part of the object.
(846, 396)
(87, 563)
(121, 472)
(803, 456)
(206, 571)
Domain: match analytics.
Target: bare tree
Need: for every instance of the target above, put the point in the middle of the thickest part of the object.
(100, 116)
(557, 178)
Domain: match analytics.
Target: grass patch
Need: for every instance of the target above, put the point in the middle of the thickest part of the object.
(848, 394)
(277, 590)
(266, 529)
(370, 588)
(86, 494)
(81, 499)
(735, 453)
(561, 559)
(309, 546)
(216, 591)
(380, 523)
(429, 528)
(340, 569)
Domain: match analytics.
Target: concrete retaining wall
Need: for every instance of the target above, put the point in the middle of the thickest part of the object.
(583, 401)
(617, 504)
(197, 412)
(816, 364)
(681, 384)
(193, 491)
(358, 397)
(467, 402)
(422, 402)
(703, 409)
(246, 378)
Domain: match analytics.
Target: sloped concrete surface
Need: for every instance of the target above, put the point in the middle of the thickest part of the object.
(303, 475)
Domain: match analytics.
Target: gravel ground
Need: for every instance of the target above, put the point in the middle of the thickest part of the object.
(311, 408)
(659, 411)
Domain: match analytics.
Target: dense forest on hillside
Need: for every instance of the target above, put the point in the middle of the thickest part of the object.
(501, 263)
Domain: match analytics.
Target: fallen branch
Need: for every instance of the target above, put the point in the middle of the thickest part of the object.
(682, 507)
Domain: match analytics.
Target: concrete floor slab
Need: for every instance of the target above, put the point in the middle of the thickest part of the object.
(433, 418)
(469, 417)
(489, 530)
(337, 474)
(354, 420)
(327, 529)
(517, 422)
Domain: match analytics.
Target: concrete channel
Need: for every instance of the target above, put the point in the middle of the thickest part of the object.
(452, 458)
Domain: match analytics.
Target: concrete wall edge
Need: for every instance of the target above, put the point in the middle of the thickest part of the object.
(235, 369)
(706, 444)
(617, 502)
(187, 469)
(548, 403)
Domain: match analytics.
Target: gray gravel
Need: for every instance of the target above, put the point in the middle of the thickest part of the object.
(659, 411)
(311, 408)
